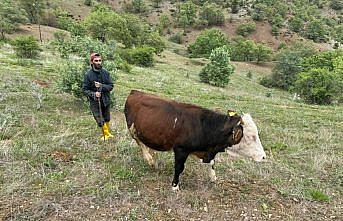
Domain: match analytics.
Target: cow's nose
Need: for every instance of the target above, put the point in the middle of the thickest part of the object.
(263, 158)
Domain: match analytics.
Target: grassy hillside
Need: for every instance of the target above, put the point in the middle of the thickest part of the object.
(54, 167)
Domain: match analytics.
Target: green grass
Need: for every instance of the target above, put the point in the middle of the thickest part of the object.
(52, 163)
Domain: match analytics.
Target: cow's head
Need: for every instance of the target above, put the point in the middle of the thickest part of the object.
(250, 145)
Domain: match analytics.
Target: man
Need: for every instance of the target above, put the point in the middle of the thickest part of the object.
(97, 86)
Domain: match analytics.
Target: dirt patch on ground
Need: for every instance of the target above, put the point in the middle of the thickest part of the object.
(33, 30)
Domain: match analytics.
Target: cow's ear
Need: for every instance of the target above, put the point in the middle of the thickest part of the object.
(231, 113)
(237, 134)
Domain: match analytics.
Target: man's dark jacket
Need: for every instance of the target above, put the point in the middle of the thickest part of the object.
(89, 88)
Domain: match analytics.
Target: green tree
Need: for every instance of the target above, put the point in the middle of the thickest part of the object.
(245, 29)
(316, 30)
(243, 50)
(296, 24)
(263, 53)
(336, 4)
(10, 17)
(219, 70)
(212, 13)
(105, 25)
(316, 86)
(288, 64)
(186, 14)
(33, 8)
(26, 47)
(208, 40)
(157, 3)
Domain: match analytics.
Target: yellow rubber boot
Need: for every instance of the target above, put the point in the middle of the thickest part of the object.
(104, 136)
(107, 130)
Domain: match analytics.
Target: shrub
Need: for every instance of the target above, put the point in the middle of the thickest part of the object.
(26, 47)
(177, 38)
(219, 70)
(154, 40)
(208, 40)
(142, 56)
(88, 2)
(316, 86)
(288, 64)
(336, 4)
(246, 28)
(212, 13)
(72, 76)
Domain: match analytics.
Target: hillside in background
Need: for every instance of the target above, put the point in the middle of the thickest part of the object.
(152, 14)
(53, 166)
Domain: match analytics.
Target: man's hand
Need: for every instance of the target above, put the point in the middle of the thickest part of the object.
(97, 84)
(97, 94)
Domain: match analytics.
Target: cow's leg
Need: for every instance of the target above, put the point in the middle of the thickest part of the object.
(180, 159)
(213, 176)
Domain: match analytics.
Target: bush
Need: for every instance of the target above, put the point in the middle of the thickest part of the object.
(142, 56)
(26, 47)
(316, 86)
(208, 40)
(177, 38)
(72, 76)
(289, 64)
(246, 28)
(212, 13)
(218, 71)
(88, 2)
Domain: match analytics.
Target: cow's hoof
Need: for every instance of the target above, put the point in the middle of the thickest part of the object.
(175, 187)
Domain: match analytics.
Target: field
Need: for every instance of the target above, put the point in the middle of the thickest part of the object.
(54, 167)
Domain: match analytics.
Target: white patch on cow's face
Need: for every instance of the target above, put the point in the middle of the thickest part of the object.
(250, 145)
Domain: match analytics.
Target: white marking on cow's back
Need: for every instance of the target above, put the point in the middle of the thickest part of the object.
(175, 122)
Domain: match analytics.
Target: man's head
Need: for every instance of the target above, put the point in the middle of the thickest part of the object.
(95, 61)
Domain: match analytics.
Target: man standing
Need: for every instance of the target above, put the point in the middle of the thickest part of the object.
(97, 86)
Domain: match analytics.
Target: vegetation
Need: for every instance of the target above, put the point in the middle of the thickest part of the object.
(53, 166)
(10, 17)
(26, 47)
(208, 40)
(218, 71)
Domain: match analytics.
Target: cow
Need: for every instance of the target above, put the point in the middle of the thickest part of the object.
(161, 124)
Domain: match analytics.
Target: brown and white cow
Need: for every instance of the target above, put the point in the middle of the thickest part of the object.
(163, 125)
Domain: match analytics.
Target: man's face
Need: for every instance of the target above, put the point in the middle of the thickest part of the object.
(97, 62)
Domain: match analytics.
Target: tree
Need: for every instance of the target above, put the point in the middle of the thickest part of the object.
(316, 30)
(262, 53)
(243, 50)
(26, 47)
(289, 64)
(104, 24)
(34, 10)
(219, 70)
(208, 40)
(296, 24)
(157, 3)
(186, 14)
(212, 14)
(316, 86)
(10, 17)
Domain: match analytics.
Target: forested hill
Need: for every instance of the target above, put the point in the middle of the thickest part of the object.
(271, 22)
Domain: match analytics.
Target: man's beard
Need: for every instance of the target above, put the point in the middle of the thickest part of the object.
(97, 66)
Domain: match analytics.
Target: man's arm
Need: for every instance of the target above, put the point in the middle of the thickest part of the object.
(86, 88)
(107, 86)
